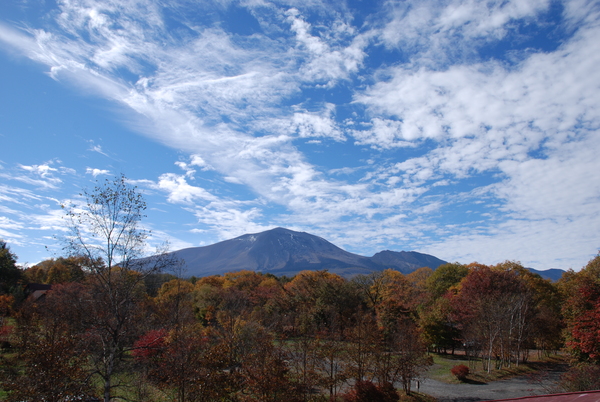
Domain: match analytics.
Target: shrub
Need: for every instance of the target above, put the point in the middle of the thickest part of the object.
(366, 391)
(583, 377)
(460, 372)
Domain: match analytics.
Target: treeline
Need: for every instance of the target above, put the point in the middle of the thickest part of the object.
(245, 336)
(115, 327)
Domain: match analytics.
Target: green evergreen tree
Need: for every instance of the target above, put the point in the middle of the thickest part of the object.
(10, 274)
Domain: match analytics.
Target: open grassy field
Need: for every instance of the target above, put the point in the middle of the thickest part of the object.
(443, 363)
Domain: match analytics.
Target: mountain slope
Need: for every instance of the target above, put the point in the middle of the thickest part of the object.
(406, 261)
(285, 252)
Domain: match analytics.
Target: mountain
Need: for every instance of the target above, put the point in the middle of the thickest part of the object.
(286, 252)
(406, 261)
(554, 274)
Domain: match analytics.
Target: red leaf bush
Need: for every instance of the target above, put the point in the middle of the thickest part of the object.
(149, 344)
(460, 372)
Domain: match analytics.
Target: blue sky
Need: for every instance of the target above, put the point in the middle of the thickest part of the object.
(464, 129)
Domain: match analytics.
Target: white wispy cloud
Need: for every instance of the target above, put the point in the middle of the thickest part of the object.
(309, 125)
(237, 105)
(231, 221)
(41, 170)
(25, 211)
(41, 176)
(328, 59)
(98, 149)
(438, 33)
(180, 191)
(9, 224)
(97, 172)
(383, 134)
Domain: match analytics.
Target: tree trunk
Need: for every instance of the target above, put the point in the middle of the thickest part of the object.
(107, 387)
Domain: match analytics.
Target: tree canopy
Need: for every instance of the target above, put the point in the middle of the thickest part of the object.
(115, 326)
(10, 274)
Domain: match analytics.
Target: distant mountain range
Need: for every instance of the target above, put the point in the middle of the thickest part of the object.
(286, 252)
(553, 274)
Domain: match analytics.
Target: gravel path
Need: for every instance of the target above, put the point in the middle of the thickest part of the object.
(470, 392)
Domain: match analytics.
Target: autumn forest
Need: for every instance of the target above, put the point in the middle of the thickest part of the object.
(114, 327)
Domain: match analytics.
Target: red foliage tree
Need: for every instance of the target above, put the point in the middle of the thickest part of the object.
(184, 361)
(150, 344)
(52, 359)
(582, 311)
(494, 306)
(585, 333)
(54, 372)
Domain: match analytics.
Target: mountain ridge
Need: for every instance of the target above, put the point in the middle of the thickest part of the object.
(286, 252)
(282, 251)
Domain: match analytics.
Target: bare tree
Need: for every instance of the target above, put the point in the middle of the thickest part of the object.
(107, 230)
(107, 227)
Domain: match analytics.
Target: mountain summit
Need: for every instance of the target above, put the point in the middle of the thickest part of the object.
(285, 252)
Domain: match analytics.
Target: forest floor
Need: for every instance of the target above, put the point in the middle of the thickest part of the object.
(537, 377)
